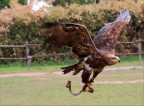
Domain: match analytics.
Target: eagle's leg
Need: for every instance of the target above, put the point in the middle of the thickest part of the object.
(85, 79)
(95, 73)
(87, 87)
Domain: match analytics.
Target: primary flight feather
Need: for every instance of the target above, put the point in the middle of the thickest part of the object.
(94, 54)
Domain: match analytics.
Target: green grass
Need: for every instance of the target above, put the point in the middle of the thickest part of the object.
(129, 61)
(43, 66)
(50, 90)
(56, 65)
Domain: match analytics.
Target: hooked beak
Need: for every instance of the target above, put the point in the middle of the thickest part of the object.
(118, 59)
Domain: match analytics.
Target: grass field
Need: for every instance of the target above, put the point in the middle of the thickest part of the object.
(44, 85)
(125, 88)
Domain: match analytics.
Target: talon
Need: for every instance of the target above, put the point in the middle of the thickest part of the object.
(90, 83)
(86, 88)
(91, 90)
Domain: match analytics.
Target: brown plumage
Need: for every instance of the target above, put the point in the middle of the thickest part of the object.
(94, 54)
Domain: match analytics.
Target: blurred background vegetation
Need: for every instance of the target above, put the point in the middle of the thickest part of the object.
(18, 24)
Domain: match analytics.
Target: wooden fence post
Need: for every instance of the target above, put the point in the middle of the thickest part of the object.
(140, 51)
(28, 57)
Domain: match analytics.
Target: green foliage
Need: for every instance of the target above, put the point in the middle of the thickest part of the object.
(21, 31)
(23, 2)
(4, 3)
(85, 1)
(62, 2)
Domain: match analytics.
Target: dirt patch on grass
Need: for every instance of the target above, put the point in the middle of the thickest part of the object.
(28, 74)
(119, 82)
(44, 74)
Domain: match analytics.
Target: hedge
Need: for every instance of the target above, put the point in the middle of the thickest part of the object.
(23, 2)
(21, 30)
(4, 3)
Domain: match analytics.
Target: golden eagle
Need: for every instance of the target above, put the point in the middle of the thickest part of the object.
(93, 54)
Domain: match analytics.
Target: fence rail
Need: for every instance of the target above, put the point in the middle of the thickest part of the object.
(28, 57)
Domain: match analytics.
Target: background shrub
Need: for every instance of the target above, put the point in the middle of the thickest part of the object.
(62, 2)
(4, 3)
(23, 2)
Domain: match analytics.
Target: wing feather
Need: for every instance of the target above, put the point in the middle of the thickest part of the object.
(72, 35)
(108, 36)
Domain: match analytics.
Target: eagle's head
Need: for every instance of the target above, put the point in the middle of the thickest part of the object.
(112, 59)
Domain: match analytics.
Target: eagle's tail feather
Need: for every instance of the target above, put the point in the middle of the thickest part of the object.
(76, 67)
(76, 71)
(68, 69)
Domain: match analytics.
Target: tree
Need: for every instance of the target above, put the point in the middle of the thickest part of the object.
(23, 2)
(4, 3)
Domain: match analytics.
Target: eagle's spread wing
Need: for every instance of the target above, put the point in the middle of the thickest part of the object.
(108, 35)
(72, 35)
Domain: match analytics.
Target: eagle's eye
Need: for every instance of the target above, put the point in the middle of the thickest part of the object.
(113, 58)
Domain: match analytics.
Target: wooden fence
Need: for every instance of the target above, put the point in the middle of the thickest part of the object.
(28, 57)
